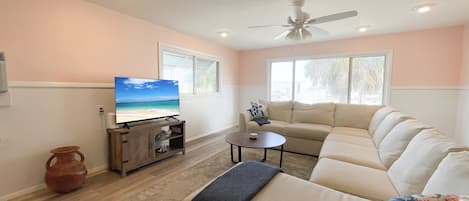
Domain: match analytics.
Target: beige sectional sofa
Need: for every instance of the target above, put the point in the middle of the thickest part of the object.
(387, 170)
(369, 153)
(306, 126)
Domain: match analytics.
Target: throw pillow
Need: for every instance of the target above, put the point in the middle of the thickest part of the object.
(257, 111)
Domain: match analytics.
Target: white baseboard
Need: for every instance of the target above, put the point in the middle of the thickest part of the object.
(91, 173)
(97, 170)
(211, 133)
(23, 192)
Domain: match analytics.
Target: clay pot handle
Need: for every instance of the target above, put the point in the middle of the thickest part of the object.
(82, 157)
(49, 161)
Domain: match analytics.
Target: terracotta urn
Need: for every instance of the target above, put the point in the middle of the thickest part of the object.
(67, 173)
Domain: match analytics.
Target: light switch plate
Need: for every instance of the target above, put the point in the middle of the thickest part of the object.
(5, 99)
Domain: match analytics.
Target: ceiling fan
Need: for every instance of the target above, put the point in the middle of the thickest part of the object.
(300, 25)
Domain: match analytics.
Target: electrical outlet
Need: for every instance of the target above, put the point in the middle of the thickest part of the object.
(100, 108)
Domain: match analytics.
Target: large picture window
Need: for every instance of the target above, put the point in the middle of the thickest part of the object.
(347, 79)
(197, 74)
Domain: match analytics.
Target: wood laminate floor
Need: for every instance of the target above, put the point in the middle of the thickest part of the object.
(110, 186)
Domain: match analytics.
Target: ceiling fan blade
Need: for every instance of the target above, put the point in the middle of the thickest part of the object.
(266, 26)
(333, 17)
(282, 35)
(317, 30)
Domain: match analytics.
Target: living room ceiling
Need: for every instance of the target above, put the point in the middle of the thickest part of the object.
(207, 18)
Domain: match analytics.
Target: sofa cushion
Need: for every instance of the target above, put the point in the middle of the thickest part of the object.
(274, 126)
(378, 118)
(352, 153)
(354, 179)
(285, 187)
(397, 140)
(307, 131)
(451, 176)
(387, 125)
(280, 111)
(351, 139)
(303, 146)
(355, 116)
(411, 171)
(321, 113)
(350, 131)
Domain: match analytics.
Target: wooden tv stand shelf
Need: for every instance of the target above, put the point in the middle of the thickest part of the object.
(137, 146)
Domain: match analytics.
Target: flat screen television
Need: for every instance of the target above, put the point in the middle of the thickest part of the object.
(139, 99)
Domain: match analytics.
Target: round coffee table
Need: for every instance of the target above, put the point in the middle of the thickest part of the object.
(265, 140)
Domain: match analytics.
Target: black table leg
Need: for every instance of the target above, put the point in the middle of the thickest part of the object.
(239, 154)
(281, 155)
(231, 150)
(265, 155)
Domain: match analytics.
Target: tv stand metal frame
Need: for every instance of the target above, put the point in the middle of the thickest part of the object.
(171, 117)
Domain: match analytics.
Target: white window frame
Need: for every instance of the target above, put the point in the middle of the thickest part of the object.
(197, 55)
(387, 70)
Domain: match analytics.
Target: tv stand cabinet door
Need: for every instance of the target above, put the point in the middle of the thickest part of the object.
(140, 147)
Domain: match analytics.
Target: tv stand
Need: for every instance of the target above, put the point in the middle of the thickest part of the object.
(139, 145)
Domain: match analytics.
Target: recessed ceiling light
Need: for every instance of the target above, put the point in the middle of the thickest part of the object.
(424, 8)
(363, 28)
(223, 34)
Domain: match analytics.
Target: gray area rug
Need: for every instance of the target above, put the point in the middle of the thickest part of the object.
(177, 186)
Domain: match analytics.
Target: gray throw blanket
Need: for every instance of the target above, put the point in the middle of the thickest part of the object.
(261, 120)
(240, 183)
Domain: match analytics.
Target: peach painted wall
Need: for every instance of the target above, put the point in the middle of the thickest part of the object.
(420, 58)
(77, 41)
(465, 57)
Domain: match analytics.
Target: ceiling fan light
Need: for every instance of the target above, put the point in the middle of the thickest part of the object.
(293, 35)
(305, 34)
(298, 34)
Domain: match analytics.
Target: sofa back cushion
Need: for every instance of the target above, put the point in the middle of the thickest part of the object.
(397, 140)
(378, 118)
(280, 111)
(321, 113)
(355, 116)
(387, 125)
(411, 171)
(451, 176)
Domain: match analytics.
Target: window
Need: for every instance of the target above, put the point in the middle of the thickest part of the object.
(196, 74)
(353, 79)
(321, 80)
(179, 67)
(367, 84)
(281, 81)
(206, 76)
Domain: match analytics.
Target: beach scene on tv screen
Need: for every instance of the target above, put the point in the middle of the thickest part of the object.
(140, 99)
